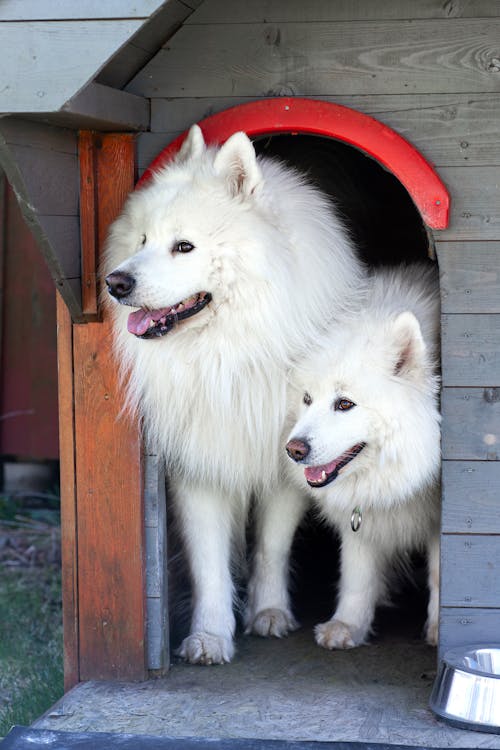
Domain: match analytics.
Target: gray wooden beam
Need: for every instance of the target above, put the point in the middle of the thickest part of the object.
(469, 276)
(471, 423)
(470, 565)
(41, 164)
(53, 10)
(326, 59)
(298, 11)
(155, 522)
(145, 44)
(470, 350)
(461, 626)
(45, 63)
(100, 107)
(471, 495)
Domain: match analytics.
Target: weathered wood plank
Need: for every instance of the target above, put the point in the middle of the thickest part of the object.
(31, 10)
(46, 182)
(88, 223)
(34, 76)
(475, 203)
(469, 276)
(471, 423)
(322, 59)
(64, 234)
(274, 11)
(145, 43)
(155, 520)
(101, 107)
(69, 544)
(448, 129)
(20, 132)
(470, 570)
(471, 495)
(463, 626)
(108, 474)
(470, 350)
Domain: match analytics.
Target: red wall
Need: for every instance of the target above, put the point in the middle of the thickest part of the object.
(28, 364)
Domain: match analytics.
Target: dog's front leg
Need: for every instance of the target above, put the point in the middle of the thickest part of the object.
(432, 625)
(361, 588)
(206, 523)
(268, 609)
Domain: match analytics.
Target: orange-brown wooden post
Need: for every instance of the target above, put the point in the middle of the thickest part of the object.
(101, 464)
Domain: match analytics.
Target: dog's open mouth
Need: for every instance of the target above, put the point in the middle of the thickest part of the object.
(319, 476)
(148, 324)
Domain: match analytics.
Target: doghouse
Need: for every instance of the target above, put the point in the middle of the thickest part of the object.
(405, 95)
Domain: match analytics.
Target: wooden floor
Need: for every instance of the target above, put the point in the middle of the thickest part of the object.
(288, 690)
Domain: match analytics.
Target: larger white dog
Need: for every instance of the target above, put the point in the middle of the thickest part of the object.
(368, 444)
(235, 265)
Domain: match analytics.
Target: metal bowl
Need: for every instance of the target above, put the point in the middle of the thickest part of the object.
(466, 692)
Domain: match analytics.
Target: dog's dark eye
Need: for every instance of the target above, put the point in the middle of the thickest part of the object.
(343, 404)
(143, 239)
(307, 399)
(183, 247)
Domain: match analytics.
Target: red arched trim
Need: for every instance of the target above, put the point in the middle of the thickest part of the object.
(293, 115)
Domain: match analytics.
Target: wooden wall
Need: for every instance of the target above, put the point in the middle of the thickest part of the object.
(28, 360)
(431, 71)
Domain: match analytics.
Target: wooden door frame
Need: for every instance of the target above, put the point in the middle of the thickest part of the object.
(102, 466)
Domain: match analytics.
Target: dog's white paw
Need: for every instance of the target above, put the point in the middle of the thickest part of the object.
(272, 622)
(431, 633)
(205, 648)
(334, 634)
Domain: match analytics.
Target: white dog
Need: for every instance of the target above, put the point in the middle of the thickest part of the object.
(368, 444)
(235, 265)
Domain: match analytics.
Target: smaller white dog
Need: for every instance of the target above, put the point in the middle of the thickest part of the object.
(368, 444)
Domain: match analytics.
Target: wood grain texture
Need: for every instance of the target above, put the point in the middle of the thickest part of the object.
(127, 62)
(110, 534)
(107, 108)
(470, 349)
(31, 10)
(471, 423)
(155, 521)
(45, 63)
(471, 491)
(475, 203)
(38, 159)
(448, 129)
(321, 59)
(460, 626)
(28, 358)
(274, 11)
(69, 547)
(469, 276)
(108, 472)
(88, 223)
(470, 570)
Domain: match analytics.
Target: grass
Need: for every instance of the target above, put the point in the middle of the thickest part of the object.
(31, 657)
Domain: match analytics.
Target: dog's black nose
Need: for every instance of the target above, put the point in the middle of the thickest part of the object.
(298, 449)
(120, 284)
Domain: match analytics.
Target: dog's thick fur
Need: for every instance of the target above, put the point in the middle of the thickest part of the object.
(372, 402)
(276, 261)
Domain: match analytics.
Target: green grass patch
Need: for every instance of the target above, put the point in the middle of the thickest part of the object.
(31, 660)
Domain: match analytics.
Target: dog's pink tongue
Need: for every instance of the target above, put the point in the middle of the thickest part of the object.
(138, 321)
(315, 473)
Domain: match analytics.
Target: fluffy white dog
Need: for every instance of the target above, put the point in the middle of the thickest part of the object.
(235, 265)
(368, 444)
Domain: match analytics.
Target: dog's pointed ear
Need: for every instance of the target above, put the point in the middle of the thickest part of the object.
(409, 344)
(193, 145)
(236, 162)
